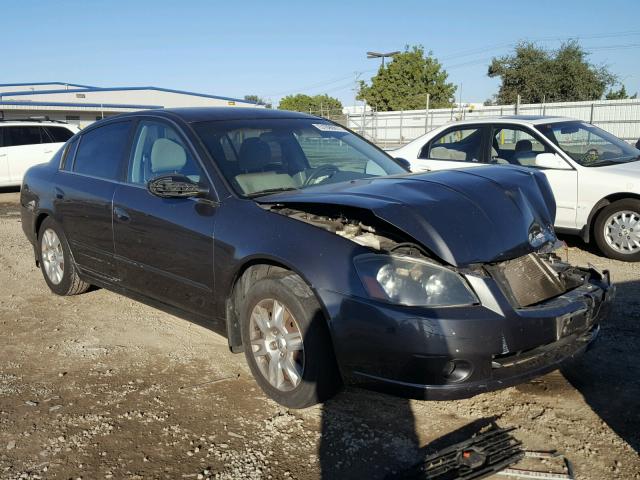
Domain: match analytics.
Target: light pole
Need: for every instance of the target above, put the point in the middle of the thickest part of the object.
(381, 55)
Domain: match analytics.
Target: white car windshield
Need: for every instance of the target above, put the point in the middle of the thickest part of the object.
(260, 156)
(588, 145)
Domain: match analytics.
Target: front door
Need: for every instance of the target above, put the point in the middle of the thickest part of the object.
(518, 145)
(164, 246)
(4, 162)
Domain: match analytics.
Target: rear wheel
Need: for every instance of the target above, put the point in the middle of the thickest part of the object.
(617, 230)
(56, 263)
(287, 343)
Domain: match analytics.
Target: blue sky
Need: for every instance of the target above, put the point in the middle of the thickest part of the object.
(274, 48)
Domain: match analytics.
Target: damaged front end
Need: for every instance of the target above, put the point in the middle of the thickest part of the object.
(448, 311)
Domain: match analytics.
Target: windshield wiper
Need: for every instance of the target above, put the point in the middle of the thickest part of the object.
(271, 190)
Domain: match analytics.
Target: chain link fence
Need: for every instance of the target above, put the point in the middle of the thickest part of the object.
(392, 129)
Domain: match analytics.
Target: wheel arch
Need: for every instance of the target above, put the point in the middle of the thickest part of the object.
(250, 271)
(587, 230)
(39, 219)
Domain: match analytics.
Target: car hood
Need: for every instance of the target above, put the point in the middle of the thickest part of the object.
(630, 169)
(465, 216)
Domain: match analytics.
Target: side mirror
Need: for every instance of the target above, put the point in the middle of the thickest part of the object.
(175, 186)
(406, 164)
(551, 160)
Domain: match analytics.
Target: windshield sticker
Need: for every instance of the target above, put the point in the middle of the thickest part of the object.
(328, 127)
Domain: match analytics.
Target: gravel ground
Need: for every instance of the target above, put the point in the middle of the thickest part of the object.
(100, 386)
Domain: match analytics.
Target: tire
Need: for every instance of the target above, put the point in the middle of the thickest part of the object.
(299, 343)
(609, 235)
(54, 252)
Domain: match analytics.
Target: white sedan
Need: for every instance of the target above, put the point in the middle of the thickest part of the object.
(594, 175)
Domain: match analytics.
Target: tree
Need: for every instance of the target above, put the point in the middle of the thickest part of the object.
(258, 100)
(404, 82)
(620, 94)
(318, 104)
(538, 75)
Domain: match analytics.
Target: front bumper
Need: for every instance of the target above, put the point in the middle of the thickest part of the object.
(411, 351)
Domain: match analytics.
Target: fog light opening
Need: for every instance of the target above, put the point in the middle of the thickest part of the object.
(456, 370)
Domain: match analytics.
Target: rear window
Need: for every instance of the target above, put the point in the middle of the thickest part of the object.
(101, 151)
(59, 134)
(27, 135)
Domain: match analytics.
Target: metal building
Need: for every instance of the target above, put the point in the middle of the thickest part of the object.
(83, 104)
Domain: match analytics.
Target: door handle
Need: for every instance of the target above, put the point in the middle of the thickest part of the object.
(48, 151)
(3, 154)
(121, 214)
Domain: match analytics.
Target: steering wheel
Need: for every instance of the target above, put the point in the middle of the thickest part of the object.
(322, 170)
(591, 155)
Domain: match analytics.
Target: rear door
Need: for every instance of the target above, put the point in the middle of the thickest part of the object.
(92, 167)
(164, 246)
(457, 147)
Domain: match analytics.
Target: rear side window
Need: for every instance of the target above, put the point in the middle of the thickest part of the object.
(16, 136)
(101, 151)
(70, 154)
(59, 134)
(460, 145)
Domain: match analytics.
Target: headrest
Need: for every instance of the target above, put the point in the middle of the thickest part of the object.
(524, 146)
(167, 156)
(254, 155)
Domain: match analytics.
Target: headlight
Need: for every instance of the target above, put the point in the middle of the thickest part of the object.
(410, 281)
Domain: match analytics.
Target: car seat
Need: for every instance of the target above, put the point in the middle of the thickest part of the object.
(524, 154)
(254, 160)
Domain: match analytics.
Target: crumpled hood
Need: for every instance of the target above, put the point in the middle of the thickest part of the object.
(464, 216)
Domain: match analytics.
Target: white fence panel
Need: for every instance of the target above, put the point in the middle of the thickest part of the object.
(392, 129)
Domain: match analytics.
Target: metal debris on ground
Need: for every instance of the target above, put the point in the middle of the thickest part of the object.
(537, 474)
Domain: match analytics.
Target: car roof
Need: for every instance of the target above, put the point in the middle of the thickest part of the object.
(518, 119)
(34, 123)
(205, 114)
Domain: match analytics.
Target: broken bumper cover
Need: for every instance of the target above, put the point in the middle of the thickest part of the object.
(458, 352)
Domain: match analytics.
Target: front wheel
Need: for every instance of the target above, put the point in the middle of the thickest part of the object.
(617, 230)
(56, 263)
(287, 343)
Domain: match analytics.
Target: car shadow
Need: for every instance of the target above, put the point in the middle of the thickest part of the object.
(575, 241)
(608, 376)
(372, 435)
(9, 189)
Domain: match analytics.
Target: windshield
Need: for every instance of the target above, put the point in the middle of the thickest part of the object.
(588, 145)
(269, 155)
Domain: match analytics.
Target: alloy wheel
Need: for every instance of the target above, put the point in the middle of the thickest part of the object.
(622, 231)
(276, 344)
(52, 256)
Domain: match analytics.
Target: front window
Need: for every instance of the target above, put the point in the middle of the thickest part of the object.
(588, 145)
(266, 155)
(515, 146)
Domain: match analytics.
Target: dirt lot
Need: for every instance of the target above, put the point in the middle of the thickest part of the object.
(100, 386)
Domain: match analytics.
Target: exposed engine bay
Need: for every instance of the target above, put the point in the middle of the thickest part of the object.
(526, 280)
(356, 230)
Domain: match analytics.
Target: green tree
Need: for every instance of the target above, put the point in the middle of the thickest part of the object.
(404, 82)
(317, 104)
(620, 94)
(538, 74)
(257, 99)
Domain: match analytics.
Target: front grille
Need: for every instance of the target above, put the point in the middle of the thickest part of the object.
(527, 280)
(478, 457)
